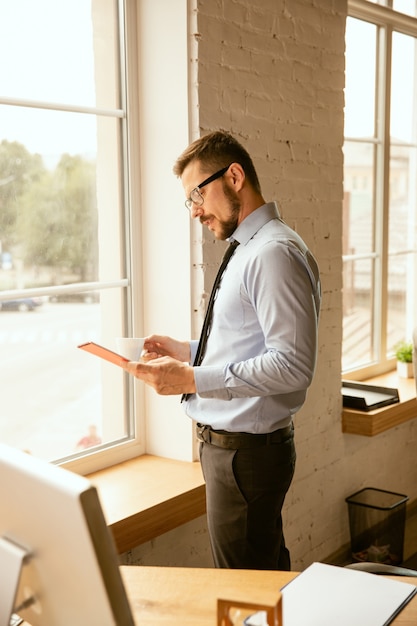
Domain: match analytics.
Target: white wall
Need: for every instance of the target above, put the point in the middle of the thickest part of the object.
(165, 229)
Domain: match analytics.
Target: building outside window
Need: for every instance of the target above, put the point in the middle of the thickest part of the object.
(380, 182)
(65, 229)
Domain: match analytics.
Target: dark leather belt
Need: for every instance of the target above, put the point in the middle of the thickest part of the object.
(234, 441)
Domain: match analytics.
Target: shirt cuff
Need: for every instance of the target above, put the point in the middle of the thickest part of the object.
(210, 382)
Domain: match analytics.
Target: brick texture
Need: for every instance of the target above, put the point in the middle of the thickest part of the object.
(272, 73)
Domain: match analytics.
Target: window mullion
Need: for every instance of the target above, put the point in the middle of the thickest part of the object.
(59, 106)
(379, 14)
(382, 188)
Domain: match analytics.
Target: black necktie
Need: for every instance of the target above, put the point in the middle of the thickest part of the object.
(205, 331)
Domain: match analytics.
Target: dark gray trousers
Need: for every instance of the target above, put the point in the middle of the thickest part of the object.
(245, 491)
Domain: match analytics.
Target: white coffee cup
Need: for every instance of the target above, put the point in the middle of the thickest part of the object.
(130, 347)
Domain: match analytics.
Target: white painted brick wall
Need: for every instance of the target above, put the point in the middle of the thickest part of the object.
(272, 72)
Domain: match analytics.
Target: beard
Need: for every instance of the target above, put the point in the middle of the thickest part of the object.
(228, 227)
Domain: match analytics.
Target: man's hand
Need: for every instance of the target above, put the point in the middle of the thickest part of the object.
(166, 375)
(156, 346)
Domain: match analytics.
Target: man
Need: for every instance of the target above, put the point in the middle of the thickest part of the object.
(259, 358)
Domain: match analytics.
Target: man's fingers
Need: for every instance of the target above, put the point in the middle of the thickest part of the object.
(137, 367)
(149, 356)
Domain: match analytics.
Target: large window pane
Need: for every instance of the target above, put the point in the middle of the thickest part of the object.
(358, 209)
(402, 265)
(360, 78)
(409, 7)
(48, 222)
(400, 299)
(359, 197)
(50, 51)
(62, 228)
(403, 110)
(358, 252)
(358, 304)
(50, 133)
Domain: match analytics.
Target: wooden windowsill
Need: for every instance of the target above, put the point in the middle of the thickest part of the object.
(147, 496)
(371, 423)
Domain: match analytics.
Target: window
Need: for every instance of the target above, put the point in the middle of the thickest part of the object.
(409, 7)
(380, 183)
(65, 228)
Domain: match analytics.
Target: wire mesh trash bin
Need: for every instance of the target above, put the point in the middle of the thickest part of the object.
(377, 525)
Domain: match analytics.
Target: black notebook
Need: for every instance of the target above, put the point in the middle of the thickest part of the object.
(367, 397)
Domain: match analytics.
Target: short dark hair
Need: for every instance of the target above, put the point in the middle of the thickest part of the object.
(215, 151)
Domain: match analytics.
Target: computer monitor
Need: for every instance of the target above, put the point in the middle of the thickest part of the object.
(58, 561)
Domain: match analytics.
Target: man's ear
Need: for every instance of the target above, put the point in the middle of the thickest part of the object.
(237, 176)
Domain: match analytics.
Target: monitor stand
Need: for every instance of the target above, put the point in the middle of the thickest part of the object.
(12, 558)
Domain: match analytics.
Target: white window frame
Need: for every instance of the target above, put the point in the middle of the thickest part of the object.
(389, 21)
(161, 243)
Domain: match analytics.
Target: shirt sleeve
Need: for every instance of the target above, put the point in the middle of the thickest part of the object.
(283, 291)
(193, 349)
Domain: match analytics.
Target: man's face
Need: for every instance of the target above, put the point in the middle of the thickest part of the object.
(221, 206)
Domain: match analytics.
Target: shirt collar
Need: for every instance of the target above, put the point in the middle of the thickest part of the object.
(254, 221)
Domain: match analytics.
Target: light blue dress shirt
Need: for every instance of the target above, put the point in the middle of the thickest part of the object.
(261, 352)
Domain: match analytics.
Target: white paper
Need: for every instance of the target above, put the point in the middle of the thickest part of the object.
(327, 595)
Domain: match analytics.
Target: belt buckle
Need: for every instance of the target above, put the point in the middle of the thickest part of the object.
(201, 430)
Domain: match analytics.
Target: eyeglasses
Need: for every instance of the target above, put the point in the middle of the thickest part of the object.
(195, 195)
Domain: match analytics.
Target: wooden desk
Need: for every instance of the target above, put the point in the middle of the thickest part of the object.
(162, 596)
